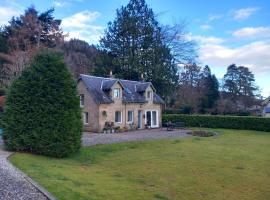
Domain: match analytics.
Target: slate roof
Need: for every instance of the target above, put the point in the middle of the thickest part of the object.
(267, 110)
(266, 101)
(99, 87)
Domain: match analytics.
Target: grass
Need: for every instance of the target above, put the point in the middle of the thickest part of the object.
(235, 165)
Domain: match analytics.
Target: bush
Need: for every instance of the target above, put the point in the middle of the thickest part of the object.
(183, 110)
(42, 113)
(2, 91)
(218, 121)
(202, 133)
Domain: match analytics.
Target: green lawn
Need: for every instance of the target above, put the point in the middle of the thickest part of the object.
(235, 165)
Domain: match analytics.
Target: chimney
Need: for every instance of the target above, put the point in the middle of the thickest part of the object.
(142, 77)
(111, 74)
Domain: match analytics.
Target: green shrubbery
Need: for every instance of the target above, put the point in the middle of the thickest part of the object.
(218, 121)
(2, 91)
(42, 113)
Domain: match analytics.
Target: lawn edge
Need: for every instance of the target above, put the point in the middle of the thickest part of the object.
(40, 188)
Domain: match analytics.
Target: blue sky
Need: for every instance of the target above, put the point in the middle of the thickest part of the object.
(227, 31)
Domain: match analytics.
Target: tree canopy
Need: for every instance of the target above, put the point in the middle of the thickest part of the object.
(42, 113)
(23, 37)
(140, 46)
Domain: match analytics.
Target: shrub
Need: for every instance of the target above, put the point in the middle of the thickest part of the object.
(202, 133)
(218, 121)
(42, 113)
(183, 110)
(2, 91)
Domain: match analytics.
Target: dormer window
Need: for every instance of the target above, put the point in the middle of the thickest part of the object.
(149, 94)
(116, 93)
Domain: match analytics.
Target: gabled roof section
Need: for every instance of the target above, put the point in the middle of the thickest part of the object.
(93, 85)
(132, 90)
(266, 110)
(266, 101)
(107, 84)
(141, 87)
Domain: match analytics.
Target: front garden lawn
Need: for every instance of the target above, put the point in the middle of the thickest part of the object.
(235, 165)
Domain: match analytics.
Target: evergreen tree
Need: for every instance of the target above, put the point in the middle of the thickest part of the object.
(135, 41)
(42, 113)
(239, 81)
(209, 87)
(230, 81)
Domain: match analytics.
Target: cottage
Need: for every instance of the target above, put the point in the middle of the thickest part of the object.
(123, 103)
(266, 107)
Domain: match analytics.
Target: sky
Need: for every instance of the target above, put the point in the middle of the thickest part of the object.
(228, 31)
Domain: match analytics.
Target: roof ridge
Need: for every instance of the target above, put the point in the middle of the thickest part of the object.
(140, 82)
(98, 77)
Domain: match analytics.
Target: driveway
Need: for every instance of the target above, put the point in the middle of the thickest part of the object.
(90, 139)
(14, 185)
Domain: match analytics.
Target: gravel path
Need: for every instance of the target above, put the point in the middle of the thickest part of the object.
(13, 184)
(90, 139)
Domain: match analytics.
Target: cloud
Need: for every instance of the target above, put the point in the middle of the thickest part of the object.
(60, 4)
(65, 3)
(6, 13)
(205, 39)
(205, 27)
(244, 13)
(80, 26)
(254, 55)
(80, 19)
(214, 17)
(91, 34)
(252, 32)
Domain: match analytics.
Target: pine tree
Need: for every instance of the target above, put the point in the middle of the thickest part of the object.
(239, 81)
(135, 41)
(209, 87)
(42, 109)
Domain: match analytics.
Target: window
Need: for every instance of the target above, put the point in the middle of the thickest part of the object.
(116, 93)
(118, 117)
(149, 95)
(81, 100)
(130, 116)
(85, 117)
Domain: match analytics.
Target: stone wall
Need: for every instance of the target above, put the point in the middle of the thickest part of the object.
(91, 107)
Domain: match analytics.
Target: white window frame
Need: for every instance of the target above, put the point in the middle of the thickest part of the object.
(157, 116)
(115, 94)
(120, 116)
(84, 117)
(132, 116)
(151, 94)
(82, 100)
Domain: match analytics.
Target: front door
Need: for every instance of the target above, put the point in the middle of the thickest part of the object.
(152, 118)
(140, 119)
(148, 118)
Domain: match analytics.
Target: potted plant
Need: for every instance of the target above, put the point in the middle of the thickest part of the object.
(117, 129)
(146, 126)
(104, 114)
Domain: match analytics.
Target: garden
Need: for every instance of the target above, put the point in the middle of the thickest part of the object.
(232, 165)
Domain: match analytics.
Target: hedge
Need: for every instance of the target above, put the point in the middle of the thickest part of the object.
(218, 121)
